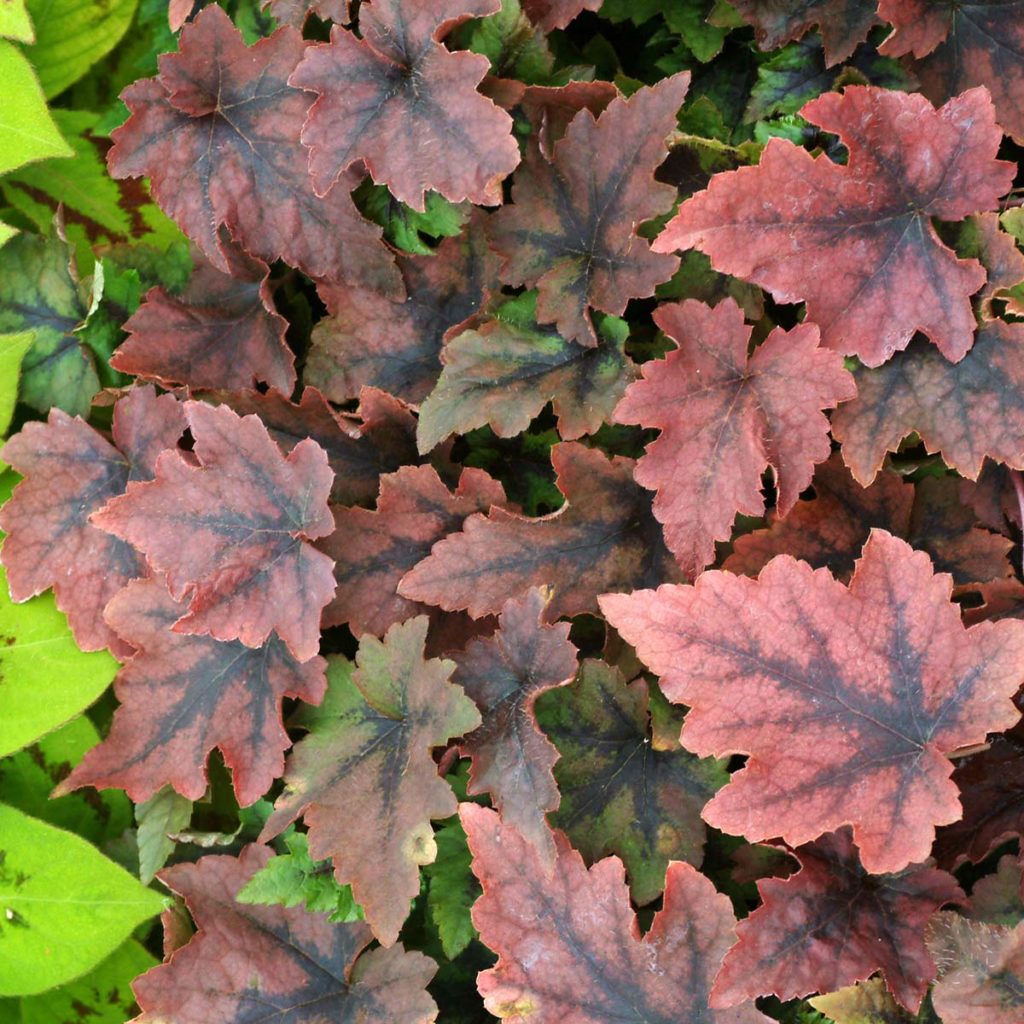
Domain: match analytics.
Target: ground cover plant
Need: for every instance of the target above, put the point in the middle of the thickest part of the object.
(511, 509)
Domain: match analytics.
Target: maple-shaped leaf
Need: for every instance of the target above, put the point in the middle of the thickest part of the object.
(373, 550)
(183, 695)
(960, 44)
(371, 339)
(856, 241)
(217, 134)
(71, 471)
(845, 699)
(552, 14)
(571, 228)
(844, 24)
(295, 12)
(364, 780)
(981, 970)
(231, 532)
(627, 785)
(832, 924)
(603, 538)
(866, 1002)
(396, 99)
(965, 411)
(222, 331)
(725, 418)
(568, 944)
(250, 963)
(504, 675)
(507, 370)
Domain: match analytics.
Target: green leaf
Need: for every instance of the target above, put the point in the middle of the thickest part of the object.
(453, 889)
(72, 35)
(26, 127)
(6, 232)
(509, 40)
(689, 20)
(403, 226)
(163, 813)
(15, 22)
(46, 679)
(12, 350)
(63, 905)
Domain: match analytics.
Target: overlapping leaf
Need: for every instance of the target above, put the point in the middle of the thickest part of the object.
(856, 241)
(364, 780)
(843, 23)
(867, 1002)
(231, 532)
(71, 471)
(568, 944)
(551, 14)
(846, 699)
(725, 418)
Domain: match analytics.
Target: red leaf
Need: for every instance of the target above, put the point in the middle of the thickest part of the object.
(603, 538)
(231, 532)
(551, 108)
(217, 133)
(396, 99)
(965, 411)
(222, 332)
(183, 695)
(724, 419)
(552, 14)
(504, 675)
(295, 12)
(571, 230)
(70, 471)
(373, 550)
(367, 760)
(963, 44)
(790, 222)
(568, 944)
(246, 961)
(845, 699)
(832, 924)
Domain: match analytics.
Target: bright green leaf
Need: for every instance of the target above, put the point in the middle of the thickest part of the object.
(6, 232)
(453, 889)
(163, 813)
(12, 350)
(15, 22)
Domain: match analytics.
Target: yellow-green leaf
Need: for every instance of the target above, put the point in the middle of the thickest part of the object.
(15, 22)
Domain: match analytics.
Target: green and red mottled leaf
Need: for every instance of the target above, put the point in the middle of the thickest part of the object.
(504, 372)
(371, 339)
(628, 788)
(725, 418)
(845, 699)
(832, 924)
(367, 763)
(981, 970)
(373, 550)
(843, 23)
(571, 228)
(249, 963)
(999, 898)
(223, 331)
(960, 44)
(510, 758)
(855, 241)
(603, 538)
(396, 99)
(71, 471)
(232, 532)
(982, 238)
(965, 411)
(182, 695)
(217, 134)
(552, 14)
(867, 1002)
(568, 944)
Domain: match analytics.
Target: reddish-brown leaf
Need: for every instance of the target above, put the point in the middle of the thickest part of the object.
(961, 44)
(395, 98)
(222, 332)
(603, 538)
(999, 898)
(855, 241)
(552, 14)
(965, 411)
(217, 134)
(373, 550)
(232, 532)
(571, 229)
(295, 12)
(846, 699)
(568, 944)
(183, 695)
(505, 674)
(551, 108)
(249, 963)
(70, 471)
(725, 418)
(843, 24)
(832, 924)
(364, 780)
